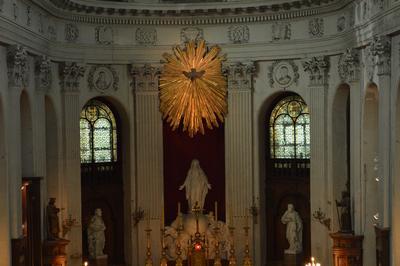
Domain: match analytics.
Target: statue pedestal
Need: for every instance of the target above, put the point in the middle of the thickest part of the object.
(99, 261)
(347, 249)
(292, 259)
(54, 252)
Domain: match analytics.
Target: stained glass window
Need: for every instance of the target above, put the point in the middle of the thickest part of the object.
(290, 129)
(98, 132)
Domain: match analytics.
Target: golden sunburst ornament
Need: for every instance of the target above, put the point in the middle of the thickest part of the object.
(192, 88)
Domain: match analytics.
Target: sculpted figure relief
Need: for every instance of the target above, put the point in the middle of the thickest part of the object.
(196, 185)
(294, 230)
(53, 224)
(95, 233)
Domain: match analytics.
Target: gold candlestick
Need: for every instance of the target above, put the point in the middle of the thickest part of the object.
(149, 260)
(247, 258)
(232, 257)
(163, 259)
(179, 260)
(217, 257)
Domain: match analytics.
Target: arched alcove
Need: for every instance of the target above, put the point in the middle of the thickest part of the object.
(340, 146)
(370, 131)
(52, 150)
(4, 198)
(26, 136)
(287, 180)
(105, 178)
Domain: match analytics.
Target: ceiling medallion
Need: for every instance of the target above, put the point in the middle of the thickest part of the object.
(192, 88)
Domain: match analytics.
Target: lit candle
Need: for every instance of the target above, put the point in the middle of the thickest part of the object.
(148, 219)
(216, 211)
(86, 263)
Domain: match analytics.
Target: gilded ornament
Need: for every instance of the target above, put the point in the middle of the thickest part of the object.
(192, 88)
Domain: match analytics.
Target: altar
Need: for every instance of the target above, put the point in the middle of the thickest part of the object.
(197, 238)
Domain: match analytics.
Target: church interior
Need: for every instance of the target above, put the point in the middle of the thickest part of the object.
(199, 133)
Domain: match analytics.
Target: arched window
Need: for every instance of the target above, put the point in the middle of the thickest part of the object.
(98, 132)
(290, 129)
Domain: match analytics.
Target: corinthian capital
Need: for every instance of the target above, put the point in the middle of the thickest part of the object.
(70, 76)
(348, 66)
(145, 77)
(43, 73)
(18, 67)
(239, 75)
(380, 50)
(317, 68)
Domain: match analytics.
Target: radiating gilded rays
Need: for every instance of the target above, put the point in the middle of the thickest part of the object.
(193, 89)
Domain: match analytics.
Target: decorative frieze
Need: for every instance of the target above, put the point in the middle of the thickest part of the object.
(18, 68)
(239, 75)
(70, 76)
(103, 35)
(71, 33)
(282, 74)
(103, 78)
(316, 27)
(239, 33)
(43, 73)
(380, 49)
(261, 12)
(146, 36)
(145, 78)
(348, 66)
(317, 68)
(281, 31)
(191, 34)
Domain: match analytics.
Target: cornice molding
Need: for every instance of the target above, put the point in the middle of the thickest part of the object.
(175, 14)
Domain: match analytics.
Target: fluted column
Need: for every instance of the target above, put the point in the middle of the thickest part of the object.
(149, 155)
(42, 84)
(317, 68)
(239, 147)
(349, 71)
(70, 76)
(381, 52)
(18, 71)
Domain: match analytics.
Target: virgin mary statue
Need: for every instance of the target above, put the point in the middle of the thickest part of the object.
(196, 186)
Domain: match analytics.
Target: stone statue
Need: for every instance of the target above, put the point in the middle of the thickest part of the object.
(294, 230)
(345, 216)
(53, 224)
(95, 234)
(196, 185)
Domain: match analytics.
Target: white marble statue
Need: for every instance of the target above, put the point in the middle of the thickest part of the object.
(196, 185)
(95, 234)
(294, 230)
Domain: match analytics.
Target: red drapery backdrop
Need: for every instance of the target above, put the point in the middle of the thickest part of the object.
(179, 151)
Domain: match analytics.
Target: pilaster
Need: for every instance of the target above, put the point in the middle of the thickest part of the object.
(70, 77)
(18, 69)
(238, 148)
(381, 53)
(317, 69)
(149, 155)
(42, 85)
